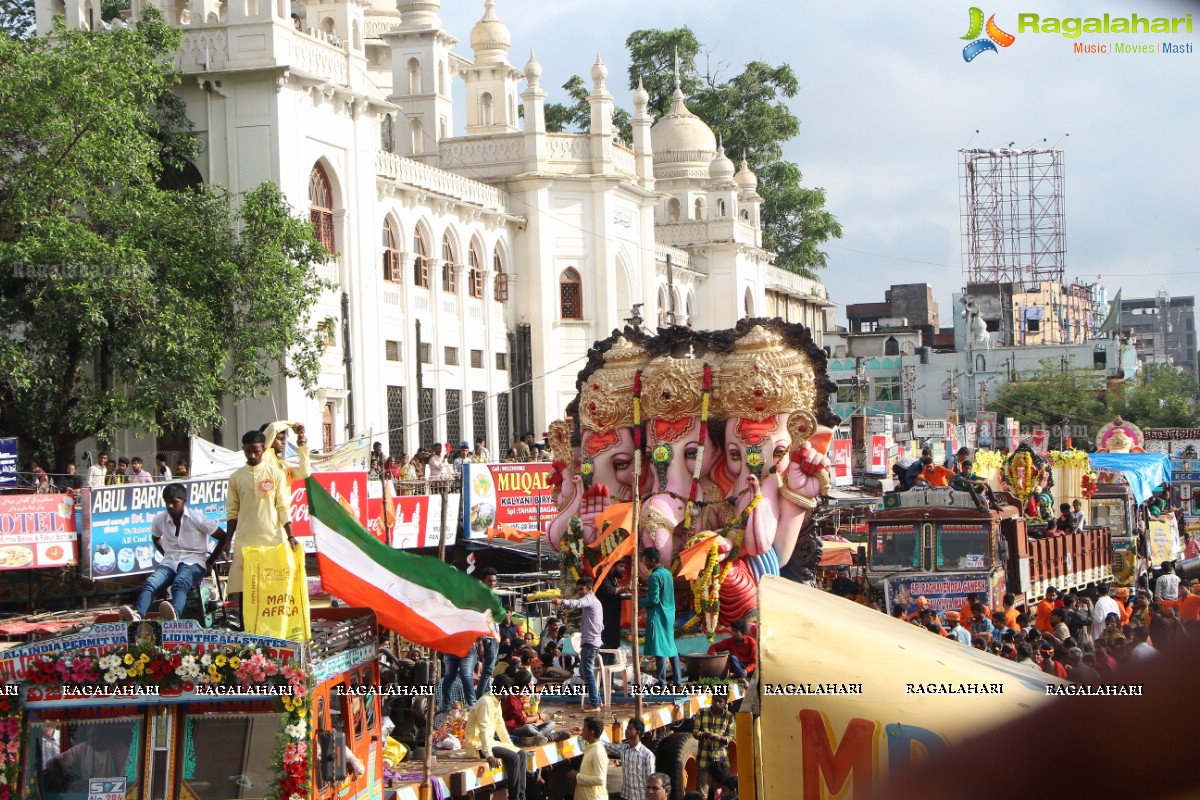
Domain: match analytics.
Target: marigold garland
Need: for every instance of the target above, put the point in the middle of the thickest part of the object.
(989, 459)
(180, 669)
(706, 589)
(1070, 458)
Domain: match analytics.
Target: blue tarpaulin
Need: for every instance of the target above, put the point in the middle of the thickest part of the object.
(1143, 471)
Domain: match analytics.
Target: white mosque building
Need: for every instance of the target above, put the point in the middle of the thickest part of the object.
(477, 259)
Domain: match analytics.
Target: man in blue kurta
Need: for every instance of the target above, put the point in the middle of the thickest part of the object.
(660, 616)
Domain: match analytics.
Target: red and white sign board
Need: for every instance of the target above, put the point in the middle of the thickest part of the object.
(37, 530)
(417, 520)
(843, 456)
(879, 455)
(1040, 440)
(348, 487)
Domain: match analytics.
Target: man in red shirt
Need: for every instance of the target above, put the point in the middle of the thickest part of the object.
(742, 649)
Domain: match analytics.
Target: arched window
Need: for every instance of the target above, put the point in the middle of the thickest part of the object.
(356, 36)
(418, 136)
(501, 287)
(699, 208)
(691, 310)
(721, 208)
(486, 112)
(414, 76)
(420, 260)
(891, 347)
(387, 134)
(673, 210)
(449, 281)
(749, 303)
(391, 254)
(328, 26)
(570, 294)
(474, 274)
(320, 207)
(662, 307)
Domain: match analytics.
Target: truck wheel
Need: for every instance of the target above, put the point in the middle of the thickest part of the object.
(676, 757)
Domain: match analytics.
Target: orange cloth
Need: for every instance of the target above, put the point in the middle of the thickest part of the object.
(1126, 612)
(937, 475)
(1010, 618)
(1189, 607)
(967, 615)
(1042, 623)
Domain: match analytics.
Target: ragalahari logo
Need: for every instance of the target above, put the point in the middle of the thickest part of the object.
(995, 36)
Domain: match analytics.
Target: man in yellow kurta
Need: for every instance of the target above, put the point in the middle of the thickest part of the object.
(487, 737)
(591, 780)
(257, 506)
(276, 434)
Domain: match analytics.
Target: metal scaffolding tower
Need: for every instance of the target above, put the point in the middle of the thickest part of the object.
(1012, 215)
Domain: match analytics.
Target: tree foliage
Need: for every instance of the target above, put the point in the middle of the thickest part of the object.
(17, 19)
(749, 114)
(577, 115)
(124, 303)
(1159, 397)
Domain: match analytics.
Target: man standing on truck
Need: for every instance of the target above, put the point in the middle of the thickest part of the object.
(591, 633)
(660, 617)
(257, 507)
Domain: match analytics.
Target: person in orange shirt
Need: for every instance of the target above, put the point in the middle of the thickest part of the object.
(1011, 613)
(934, 474)
(967, 611)
(1188, 604)
(1121, 594)
(922, 604)
(1042, 621)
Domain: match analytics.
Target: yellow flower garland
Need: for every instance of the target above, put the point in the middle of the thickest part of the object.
(1070, 458)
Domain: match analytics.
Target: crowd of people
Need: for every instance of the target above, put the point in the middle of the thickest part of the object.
(1085, 637)
(444, 460)
(106, 471)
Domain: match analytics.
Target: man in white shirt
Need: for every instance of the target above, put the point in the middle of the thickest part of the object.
(161, 471)
(1105, 605)
(181, 536)
(1167, 585)
(98, 472)
(435, 462)
(637, 762)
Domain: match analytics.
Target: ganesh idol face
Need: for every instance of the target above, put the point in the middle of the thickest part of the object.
(606, 458)
(755, 447)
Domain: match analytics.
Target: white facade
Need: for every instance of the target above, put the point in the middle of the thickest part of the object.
(349, 107)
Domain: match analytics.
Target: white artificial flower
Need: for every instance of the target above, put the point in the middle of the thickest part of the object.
(297, 730)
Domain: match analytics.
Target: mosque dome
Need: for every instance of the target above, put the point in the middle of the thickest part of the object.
(745, 179)
(720, 168)
(683, 145)
(490, 38)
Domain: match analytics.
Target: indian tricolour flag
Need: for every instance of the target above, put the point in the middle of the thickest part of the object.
(422, 599)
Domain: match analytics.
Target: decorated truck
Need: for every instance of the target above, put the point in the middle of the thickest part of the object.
(938, 543)
(158, 710)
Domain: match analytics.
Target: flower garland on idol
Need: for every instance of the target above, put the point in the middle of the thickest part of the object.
(177, 670)
(706, 589)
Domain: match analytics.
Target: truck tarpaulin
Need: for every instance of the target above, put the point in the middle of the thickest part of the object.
(849, 696)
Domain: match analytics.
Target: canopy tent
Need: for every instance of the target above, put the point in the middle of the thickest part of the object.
(1144, 472)
(837, 554)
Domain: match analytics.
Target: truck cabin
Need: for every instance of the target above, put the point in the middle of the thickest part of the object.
(181, 743)
(935, 530)
(1113, 507)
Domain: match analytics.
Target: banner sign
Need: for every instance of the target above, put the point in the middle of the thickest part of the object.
(985, 429)
(945, 592)
(37, 530)
(213, 461)
(8, 462)
(417, 520)
(514, 494)
(1163, 539)
(115, 538)
(1124, 559)
(929, 428)
(879, 455)
(843, 457)
(1014, 432)
(1040, 441)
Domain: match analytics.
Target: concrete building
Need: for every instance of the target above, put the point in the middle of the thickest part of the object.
(1045, 313)
(1163, 329)
(905, 306)
(476, 259)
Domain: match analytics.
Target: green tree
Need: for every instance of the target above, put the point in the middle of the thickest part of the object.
(1160, 397)
(17, 18)
(124, 303)
(749, 114)
(1051, 397)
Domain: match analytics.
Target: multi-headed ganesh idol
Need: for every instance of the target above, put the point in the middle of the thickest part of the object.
(720, 439)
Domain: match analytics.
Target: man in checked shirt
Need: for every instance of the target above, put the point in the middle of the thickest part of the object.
(637, 762)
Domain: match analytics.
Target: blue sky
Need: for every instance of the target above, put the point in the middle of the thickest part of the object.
(886, 102)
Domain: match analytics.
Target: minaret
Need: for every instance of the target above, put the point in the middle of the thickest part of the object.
(602, 105)
(534, 98)
(642, 148)
(422, 73)
(491, 81)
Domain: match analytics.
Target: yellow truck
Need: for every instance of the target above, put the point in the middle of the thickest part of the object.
(847, 696)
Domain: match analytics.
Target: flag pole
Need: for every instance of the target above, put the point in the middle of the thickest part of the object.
(427, 792)
(636, 533)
